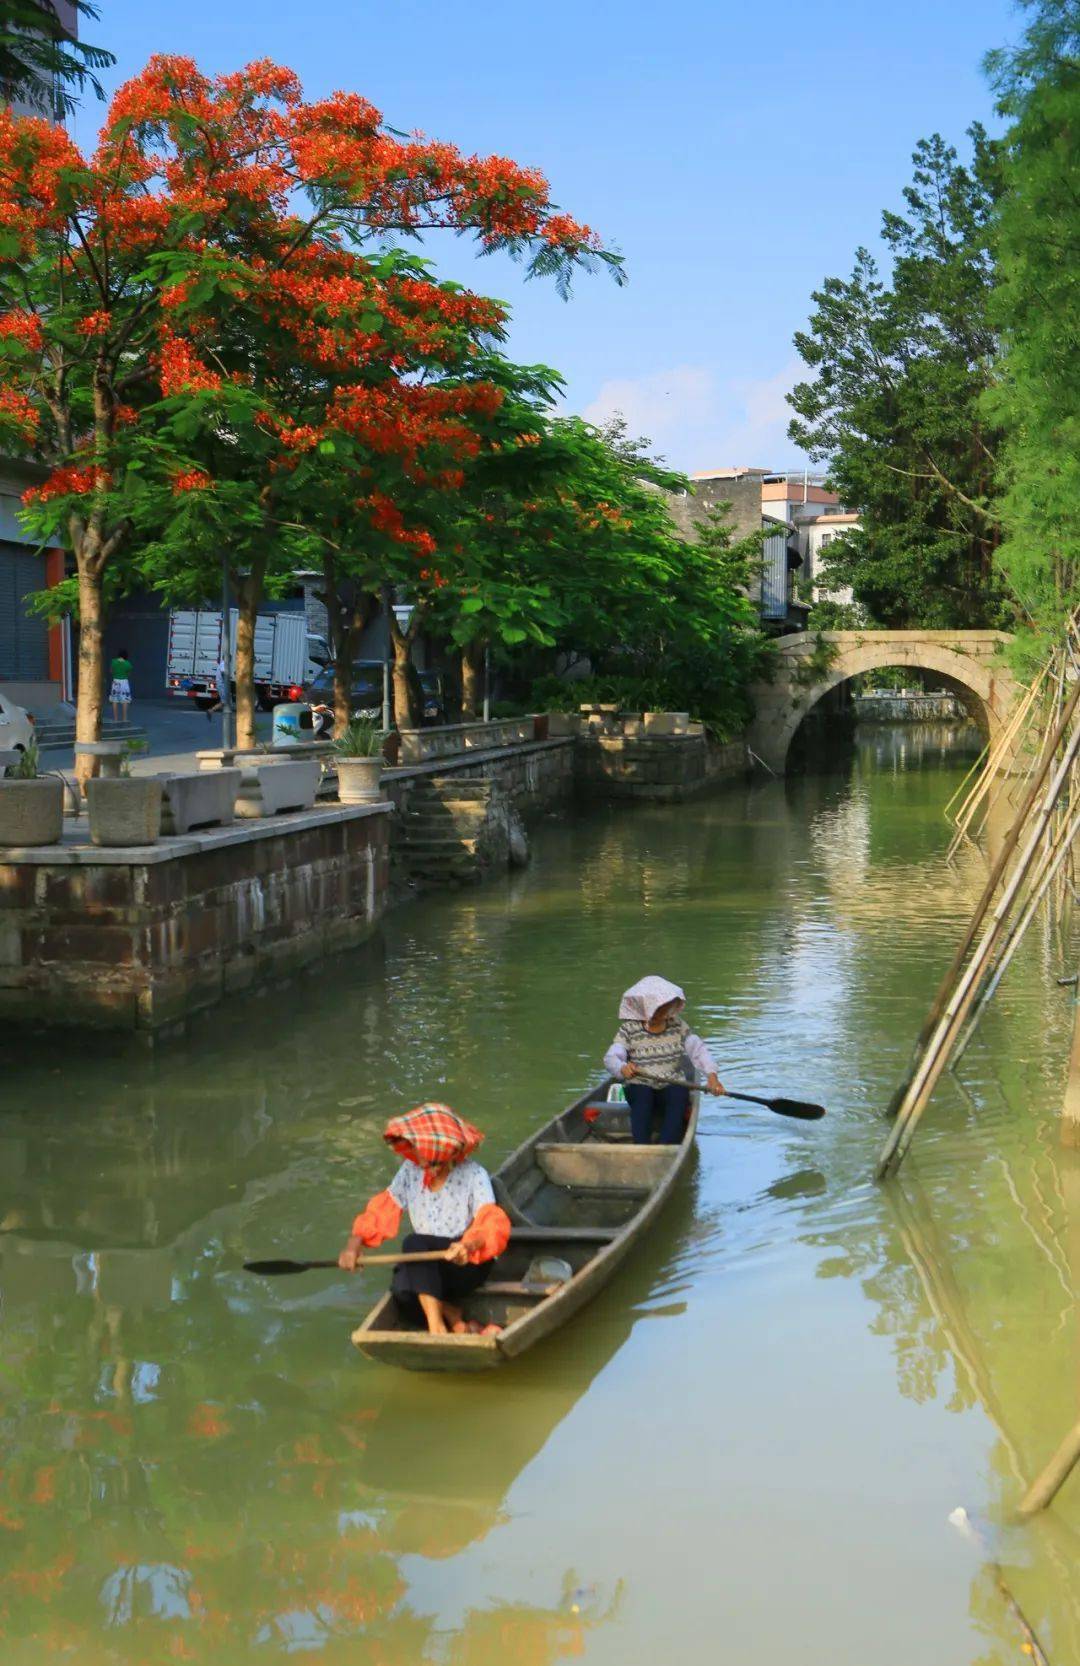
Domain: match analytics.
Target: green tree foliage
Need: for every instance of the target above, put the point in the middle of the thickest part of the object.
(664, 621)
(1036, 307)
(899, 370)
(41, 62)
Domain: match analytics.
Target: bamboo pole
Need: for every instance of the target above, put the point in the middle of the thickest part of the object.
(993, 755)
(1040, 885)
(986, 765)
(1001, 862)
(1046, 1486)
(1010, 786)
(957, 999)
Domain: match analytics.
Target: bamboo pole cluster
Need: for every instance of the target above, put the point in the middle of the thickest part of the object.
(1034, 860)
(1035, 761)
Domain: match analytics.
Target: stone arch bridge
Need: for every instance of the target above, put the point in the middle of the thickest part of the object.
(810, 664)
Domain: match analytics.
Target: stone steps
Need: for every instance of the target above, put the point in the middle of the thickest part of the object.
(432, 821)
(441, 829)
(436, 842)
(460, 789)
(61, 731)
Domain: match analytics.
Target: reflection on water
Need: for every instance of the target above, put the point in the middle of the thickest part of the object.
(749, 1442)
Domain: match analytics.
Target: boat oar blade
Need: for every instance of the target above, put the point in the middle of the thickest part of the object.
(800, 1108)
(274, 1269)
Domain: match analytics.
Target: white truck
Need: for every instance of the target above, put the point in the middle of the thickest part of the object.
(287, 655)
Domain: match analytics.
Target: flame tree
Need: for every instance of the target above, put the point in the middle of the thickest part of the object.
(217, 268)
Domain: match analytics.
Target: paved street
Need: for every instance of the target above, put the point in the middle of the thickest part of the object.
(175, 733)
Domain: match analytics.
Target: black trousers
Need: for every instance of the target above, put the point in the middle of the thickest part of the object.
(647, 1105)
(440, 1279)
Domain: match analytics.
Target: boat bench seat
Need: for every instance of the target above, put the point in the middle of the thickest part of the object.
(507, 1287)
(606, 1168)
(563, 1234)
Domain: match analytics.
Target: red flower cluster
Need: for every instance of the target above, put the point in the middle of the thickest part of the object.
(387, 518)
(67, 482)
(24, 327)
(95, 323)
(18, 409)
(192, 480)
(181, 369)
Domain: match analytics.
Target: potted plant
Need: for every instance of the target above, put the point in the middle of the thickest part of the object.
(31, 805)
(126, 809)
(359, 754)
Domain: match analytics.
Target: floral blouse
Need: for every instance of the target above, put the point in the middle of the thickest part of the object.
(451, 1210)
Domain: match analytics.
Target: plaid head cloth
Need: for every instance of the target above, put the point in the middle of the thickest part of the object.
(432, 1135)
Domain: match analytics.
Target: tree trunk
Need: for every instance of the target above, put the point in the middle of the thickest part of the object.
(249, 595)
(406, 716)
(472, 668)
(91, 693)
(348, 618)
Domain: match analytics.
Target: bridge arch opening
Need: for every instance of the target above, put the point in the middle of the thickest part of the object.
(830, 719)
(966, 663)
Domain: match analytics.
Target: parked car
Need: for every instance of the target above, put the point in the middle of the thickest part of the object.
(366, 695)
(16, 726)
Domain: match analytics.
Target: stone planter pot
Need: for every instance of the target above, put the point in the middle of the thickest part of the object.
(31, 812)
(360, 780)
(202, 798)
(666, 723)
(269, 787)
(124, 811)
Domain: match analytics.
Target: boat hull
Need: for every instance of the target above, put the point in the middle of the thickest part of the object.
(578, 1189)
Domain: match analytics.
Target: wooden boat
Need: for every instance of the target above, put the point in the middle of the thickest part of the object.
(579, 1190)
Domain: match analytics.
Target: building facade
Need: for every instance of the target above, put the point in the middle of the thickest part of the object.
(35, 658)
(801, 515)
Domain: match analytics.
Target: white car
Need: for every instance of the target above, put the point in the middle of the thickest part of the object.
(16, 726)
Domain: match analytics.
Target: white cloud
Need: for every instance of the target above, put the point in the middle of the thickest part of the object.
(654, 405)
(702, 421)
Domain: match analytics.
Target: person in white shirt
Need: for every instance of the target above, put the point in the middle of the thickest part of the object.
(656, 1054)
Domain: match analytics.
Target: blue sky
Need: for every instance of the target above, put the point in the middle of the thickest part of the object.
(735, 154)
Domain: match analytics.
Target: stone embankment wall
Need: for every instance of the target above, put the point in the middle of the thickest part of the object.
(532, 775)
(141, 939)
(458, 819)
(910, 708)
(663, 768)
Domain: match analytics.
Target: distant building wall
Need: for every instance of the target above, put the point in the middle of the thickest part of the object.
(689, 509)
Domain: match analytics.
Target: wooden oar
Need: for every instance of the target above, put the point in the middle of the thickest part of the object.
(271, 1269)
(803, 1109)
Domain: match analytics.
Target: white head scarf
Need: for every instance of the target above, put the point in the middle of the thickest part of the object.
(643, 998)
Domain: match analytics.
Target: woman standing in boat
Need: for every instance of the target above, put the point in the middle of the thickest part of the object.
(650, 1053)
(451, 1207)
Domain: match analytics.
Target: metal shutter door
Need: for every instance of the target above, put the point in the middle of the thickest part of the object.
(24, 641)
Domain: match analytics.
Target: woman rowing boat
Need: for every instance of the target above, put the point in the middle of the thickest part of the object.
(451, 1207)
(650, 1052)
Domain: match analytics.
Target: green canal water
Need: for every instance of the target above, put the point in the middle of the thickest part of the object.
(745, 1451)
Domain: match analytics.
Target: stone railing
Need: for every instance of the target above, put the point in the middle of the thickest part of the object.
(609, 720)
(448, 740)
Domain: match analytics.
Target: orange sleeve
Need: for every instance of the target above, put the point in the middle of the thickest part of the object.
(488, 1235)
(379, 1221)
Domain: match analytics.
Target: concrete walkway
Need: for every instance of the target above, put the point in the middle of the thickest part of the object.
(175, 733)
